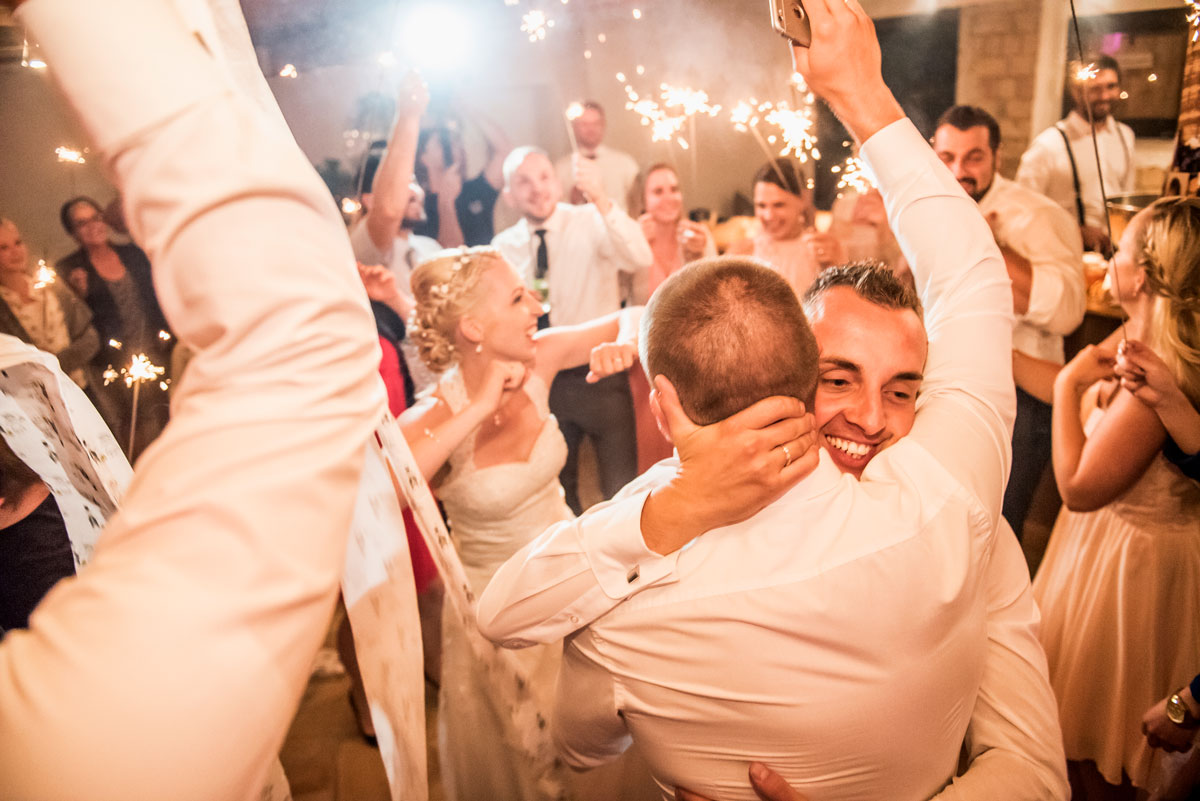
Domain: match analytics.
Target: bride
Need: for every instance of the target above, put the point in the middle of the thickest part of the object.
(492, 451)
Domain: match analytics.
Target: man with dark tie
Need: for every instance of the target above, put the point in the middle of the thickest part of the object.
(579, 253)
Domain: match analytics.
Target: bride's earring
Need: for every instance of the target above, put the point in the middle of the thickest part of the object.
(479, 347)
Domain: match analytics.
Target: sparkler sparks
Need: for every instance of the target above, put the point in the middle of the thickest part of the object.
(288, 71)
(1086, 72)
(164, 336)
(853, 176)
(574, 111)
(535, 25)
(796, 130)
(350, 205)
(69, 155)
(691, 101)
(141, 369)
(43, 276)
(115, 344)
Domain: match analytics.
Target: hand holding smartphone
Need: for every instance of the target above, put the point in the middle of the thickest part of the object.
(789, 18)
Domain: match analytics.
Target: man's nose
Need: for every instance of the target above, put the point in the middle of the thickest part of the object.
(867, 413)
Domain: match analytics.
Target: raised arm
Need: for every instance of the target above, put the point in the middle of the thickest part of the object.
(211, 589)
(390, 193)
(567, 346)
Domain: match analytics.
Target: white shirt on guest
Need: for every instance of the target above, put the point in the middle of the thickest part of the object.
(840, 634)
(401, 258)
(586, 251)
(1035, 227)
(172, 666)
(1046, 167)
(618, 172)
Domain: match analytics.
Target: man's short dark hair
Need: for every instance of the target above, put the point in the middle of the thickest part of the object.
(64, 211)
(728, 332)
(782, 173)
(964, 118)
(872, 281)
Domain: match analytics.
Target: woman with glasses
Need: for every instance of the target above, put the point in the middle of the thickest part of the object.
(114, 280)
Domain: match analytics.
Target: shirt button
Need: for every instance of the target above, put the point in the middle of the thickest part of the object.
(575, 619)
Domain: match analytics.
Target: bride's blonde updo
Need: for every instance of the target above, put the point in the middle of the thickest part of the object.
(445, 287)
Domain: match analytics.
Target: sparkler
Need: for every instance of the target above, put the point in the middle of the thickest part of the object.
(115, 344)
(573, 112)
(853, 176)
(140, 370)
(164, 336)
(535, 24)
(69, 155)
(288, 71)
(796, 129)
(350, 205)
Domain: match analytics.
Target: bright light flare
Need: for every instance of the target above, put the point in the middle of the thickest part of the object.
(165, 336)
(43, 276)
(797, 129)
(574, 111)
(535, 24)
(69, 155)
(141, 369)
(436, 37)
(1086, 73)
(116, 344)
(36, 64)
(350, 206)
(288, 71)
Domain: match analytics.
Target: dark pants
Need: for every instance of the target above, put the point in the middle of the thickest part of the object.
(603, 411)
(1031, 453)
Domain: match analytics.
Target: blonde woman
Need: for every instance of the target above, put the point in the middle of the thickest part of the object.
(1119, 588)
(486, 439)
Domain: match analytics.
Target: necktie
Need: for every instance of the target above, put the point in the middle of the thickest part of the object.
(541, 267)
(543, 256)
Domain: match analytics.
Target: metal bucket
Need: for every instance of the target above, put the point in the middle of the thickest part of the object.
(1122, 208)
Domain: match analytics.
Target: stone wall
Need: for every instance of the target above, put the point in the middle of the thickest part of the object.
(997, 64)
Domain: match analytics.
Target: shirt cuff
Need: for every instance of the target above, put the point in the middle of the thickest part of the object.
(1045, 296)
(620, 560)
(128, 44)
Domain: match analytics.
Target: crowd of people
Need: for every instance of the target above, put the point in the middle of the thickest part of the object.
(817, 451)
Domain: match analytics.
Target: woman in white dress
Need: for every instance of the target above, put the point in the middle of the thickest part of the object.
(492, 450)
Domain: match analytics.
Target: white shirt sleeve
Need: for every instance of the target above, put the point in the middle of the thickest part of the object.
(171, 667)
(1051, 241)
(1037, 164)
(1014, 742)
(575, 571)
(623, 241)
(967, 403)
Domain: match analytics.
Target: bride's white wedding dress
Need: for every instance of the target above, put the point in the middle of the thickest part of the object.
(493, 512)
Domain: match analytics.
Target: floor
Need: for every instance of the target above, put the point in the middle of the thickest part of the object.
(327, 759)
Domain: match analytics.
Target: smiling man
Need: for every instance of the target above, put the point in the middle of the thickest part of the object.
(868, 383)
(774, 634)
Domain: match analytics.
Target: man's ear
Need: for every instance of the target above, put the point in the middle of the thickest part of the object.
(508, 198)
(998, 159)
(659, 419)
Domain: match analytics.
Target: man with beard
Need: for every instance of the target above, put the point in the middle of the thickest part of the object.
(394, 203)
(1043, 252)
(1060, 162)
(873, 358)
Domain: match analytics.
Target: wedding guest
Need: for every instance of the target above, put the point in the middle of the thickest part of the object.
(617, 169)
(114, 280)
(1119, 586)
(49, 317)
(789, 243)
(674, 241)
(460, 210)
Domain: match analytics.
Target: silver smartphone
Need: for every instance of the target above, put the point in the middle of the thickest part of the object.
(789, 18)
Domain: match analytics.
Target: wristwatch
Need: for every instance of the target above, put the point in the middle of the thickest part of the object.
(1179, 713)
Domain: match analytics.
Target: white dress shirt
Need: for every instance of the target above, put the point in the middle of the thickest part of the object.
(1036, 228)
(172, 666)
(666, 652)
(586, 251)
(1045, 167)
(618, 173)
(401, 258)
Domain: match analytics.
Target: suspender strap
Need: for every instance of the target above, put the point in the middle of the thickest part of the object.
(1074, 175)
